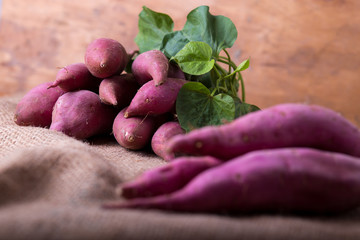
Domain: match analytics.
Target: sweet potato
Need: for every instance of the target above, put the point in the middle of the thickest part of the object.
(35, 108)
(285, 180)
(284, 125)
(105, 57)
(118, 90)
(175, 71)
(155, 100)
(150, 65)
(135, 132)
(168, 178)
(75, 77)
(162, 135)
(81, 115)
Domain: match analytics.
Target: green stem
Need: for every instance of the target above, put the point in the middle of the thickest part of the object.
(217, 80)
(223, 88)
(233, 65)
(219, 68)
(242, 87)
(228, 57)
(223, 72)
(217, 71)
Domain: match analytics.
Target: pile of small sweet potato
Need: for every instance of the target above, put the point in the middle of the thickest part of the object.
(99, 97)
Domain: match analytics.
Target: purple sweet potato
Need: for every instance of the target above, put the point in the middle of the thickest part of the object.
(150, 65)
(118, 90)
(175, 71)
(286, 180)
(75, 77)
(135, 132)
(168, 178)
(284, 125)
(35, 108)
(105, 57)
(162, 135)
(155, 100)
(81, 115)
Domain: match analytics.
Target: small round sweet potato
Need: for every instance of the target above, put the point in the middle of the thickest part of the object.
(150, 65)
(105, 57)
(35, 108)
(81, 115)
(162, 135)
(155, 100)
(135, 132)
(118, 90)
(74, 77)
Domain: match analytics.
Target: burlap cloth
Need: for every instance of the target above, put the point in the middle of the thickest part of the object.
(51, 187)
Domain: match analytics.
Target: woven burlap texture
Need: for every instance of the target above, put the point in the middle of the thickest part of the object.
(52, 187)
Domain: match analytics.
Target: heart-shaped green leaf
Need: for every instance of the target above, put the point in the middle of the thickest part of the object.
(219, 32)
(195, 58)
(153, 26)
(196, 107)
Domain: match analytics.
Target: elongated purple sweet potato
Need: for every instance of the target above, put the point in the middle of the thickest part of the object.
(118, 90)
(135, 132)
(286, 180)
(155, 100)
(284, 125)
(35, 108)
(81, 115)
(105, 57)
(162, 135)
(168, 178)
(75, 77)
(150, 65)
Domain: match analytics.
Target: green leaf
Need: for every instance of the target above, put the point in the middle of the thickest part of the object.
(173, 42)
(153, 26)
(219, 32)
(237, 102)
(195, 58)
(245, 108)
(205, 79)
(196, 107)
(243, 65)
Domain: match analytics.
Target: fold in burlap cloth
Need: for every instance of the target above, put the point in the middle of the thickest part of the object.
(51, 187)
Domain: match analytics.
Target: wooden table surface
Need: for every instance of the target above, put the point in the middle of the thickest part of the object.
(301, 51)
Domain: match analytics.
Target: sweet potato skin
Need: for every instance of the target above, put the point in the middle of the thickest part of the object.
(287, 180)
(175, 71)
(162, 135)
(283, 125)
(168, 178)
(155, 100)
(81, 115)
(35, 108)
(135, 132)
(150, 65)
(74, 77)
(118, 90)
(105, 57)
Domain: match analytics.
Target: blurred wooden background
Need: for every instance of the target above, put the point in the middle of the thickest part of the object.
(301, 51)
